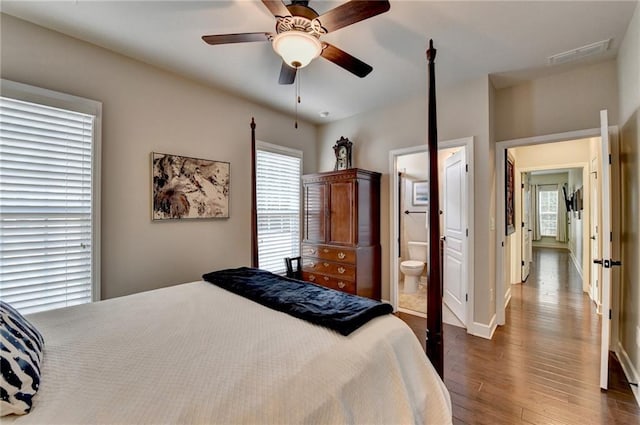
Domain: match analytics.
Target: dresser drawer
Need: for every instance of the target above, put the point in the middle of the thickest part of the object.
(341, 270)
(332, 253)
(330, 282)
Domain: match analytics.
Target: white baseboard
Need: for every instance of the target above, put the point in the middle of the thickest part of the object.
(413, 312)
(629, 371)
(482, 330)
(507, 297)
(576, 263)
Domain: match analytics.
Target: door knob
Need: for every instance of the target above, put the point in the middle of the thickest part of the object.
(593, 238)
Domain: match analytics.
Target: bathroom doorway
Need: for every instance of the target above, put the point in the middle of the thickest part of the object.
(409, 203)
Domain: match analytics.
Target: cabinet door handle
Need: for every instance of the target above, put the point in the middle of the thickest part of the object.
(341, 255)
(325, 250)
(326, 278)
(341, 285)
(312, 278)
(312, 251)
(312, 265)
(326, 264)
(341, 270)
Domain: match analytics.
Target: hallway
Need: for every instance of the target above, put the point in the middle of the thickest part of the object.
(543, 366)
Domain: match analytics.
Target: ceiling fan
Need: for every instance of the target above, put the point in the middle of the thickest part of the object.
(298, 32)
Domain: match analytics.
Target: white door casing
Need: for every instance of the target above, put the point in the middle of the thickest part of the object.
(526, 247)
(605, 261)
(455, 229)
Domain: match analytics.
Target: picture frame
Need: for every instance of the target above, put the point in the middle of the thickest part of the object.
(343, 151)
(509, 193)
(420, 191)
(188, 188)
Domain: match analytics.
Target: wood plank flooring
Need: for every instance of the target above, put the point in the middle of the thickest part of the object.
(543, 366)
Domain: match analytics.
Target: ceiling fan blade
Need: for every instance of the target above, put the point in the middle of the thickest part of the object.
(277, 8)
(236, 38)
(352, 12)
(345, 60)
(287, 74)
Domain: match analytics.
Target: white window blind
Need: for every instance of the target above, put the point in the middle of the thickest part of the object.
(278, 172)
(548, 210)
(45, 206)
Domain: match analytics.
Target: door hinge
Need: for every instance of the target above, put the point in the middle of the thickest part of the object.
(466, 297)
(522, 263)
(521, 185)
(610, 236)
(609, 159)
(466, 168)
(467, 232)
(522, 224)
(609, 314)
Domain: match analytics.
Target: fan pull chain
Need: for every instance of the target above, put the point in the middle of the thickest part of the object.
(298, 76)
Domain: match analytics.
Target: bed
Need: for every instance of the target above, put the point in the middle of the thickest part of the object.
(196, 353)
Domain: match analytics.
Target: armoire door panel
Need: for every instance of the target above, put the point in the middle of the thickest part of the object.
(341, 222)
(315, 212)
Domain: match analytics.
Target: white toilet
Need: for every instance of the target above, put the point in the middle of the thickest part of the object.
(412, 268)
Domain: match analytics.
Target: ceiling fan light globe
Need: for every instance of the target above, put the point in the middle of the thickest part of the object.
(297, 48)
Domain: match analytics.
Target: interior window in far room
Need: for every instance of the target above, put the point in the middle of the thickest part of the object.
(548, 210)
(278, 196)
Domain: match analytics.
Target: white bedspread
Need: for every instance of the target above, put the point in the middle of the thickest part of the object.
(196, 354)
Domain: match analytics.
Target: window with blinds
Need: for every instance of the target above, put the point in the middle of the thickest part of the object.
(46, 226)
(278, 172)
(548, 210)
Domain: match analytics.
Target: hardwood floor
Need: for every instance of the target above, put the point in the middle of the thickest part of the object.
(543, 366)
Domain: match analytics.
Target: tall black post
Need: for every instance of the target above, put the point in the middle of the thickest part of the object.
(434, 296)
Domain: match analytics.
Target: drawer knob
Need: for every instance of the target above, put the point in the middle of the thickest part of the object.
(325, 264)
(312, 251)
(325, 250)
(312, 278)
(312, 265)
(326, 278)
(341, 270)
(341, 285)
(341, 255)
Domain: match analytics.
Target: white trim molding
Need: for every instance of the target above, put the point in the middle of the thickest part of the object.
(482, 330)
(629, 371)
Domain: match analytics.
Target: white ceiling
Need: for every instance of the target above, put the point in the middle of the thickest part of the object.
(509, 40)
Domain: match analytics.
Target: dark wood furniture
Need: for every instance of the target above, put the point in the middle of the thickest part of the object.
(341, 231)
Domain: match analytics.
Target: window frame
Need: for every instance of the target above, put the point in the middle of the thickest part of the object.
(282, 150)
(548, 189)
(46, 97)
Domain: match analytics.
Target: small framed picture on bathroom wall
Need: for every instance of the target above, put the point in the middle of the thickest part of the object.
(421, 192)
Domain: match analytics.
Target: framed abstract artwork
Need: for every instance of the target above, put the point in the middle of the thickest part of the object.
(184, 187)
(509, 200)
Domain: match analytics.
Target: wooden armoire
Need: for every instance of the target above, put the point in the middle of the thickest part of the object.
(341, 236)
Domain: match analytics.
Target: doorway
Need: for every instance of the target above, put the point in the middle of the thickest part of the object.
(603, 138)
(455, 160)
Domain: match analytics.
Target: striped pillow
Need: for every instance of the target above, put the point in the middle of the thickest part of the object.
(20, 355)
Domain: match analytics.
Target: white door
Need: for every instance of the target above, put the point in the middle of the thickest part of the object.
(606, 261)
(455, 235)
(594, 282)
(526, 227)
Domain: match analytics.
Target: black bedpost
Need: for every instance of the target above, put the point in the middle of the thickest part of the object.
(254, 204)
(434, 296)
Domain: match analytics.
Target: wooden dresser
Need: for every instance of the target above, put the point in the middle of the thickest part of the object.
(341, 236)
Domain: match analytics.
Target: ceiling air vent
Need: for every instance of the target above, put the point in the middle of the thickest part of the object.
(580, 52)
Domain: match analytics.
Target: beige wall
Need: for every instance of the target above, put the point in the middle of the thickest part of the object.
(629, 123)
(563, 102)
(146, 109)
(463, 111)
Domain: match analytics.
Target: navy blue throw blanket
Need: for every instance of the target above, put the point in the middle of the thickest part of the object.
(322, 306)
